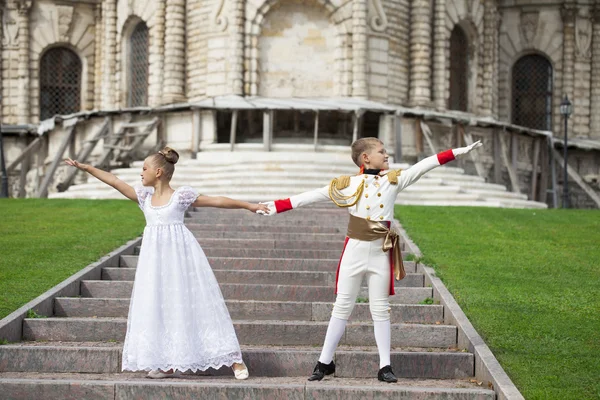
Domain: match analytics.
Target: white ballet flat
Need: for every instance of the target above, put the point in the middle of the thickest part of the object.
(241, 374)
(157, 374)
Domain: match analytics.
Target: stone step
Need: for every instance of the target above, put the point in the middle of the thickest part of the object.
(258, 229)
(235, 234)
(300, 278)
(257, 310)
(266, 264)
(269, 333)
(340, 222)
(260, 292)
(129, 386)
(272, 253)
(269, 244)
(262, 362)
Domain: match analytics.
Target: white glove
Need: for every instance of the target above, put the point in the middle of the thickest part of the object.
(461, 151)
(272, 209)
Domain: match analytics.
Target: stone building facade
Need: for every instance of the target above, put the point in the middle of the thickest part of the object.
(422, 53)
(512, 61)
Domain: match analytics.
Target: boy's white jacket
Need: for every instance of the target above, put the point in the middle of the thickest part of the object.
(375, 201)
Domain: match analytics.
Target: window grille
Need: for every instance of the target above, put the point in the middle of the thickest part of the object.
(532, 92)
(60, 83)
(459, 70)
(138, 67)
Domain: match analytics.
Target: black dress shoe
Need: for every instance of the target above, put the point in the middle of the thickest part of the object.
(386, 374)
(321, 370)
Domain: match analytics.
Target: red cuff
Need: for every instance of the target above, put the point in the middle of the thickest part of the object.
(283, 205)
(445, 157)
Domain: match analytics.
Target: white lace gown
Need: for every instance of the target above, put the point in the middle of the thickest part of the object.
(177, 317)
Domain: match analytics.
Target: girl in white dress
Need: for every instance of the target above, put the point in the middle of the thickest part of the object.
(178, 319)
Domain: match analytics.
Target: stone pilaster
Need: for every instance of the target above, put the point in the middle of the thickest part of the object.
(582, 72)
(110, 51)
(359, 49)
(568, 13)
(420, 53)
(595, 79)
(489, 39)
(496, 61)
(441, 43)
(98, 44)
(174, 78)
(236, 62)
(24, 103)
(156, 55)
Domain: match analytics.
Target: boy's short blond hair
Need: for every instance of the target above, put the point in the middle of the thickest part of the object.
(361, 146)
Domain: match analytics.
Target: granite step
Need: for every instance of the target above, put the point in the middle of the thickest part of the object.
(130, 386)
(272, 253)
(300, 278)
(281, 333)
(268, 222)
(268, 361)
(235, 234)
(266, 264)
(269, 244)
(262, 292)
(257, 310)
(258, 228)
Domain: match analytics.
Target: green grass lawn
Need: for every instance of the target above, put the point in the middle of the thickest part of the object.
(529, 281)
(43, 242)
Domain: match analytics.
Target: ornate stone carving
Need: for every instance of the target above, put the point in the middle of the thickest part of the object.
(583, 37)
(378, 22)
(220, 20)
(10, 29)
(528, 26)
(65, 17)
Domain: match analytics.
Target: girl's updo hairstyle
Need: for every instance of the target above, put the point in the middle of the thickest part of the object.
(165, 160)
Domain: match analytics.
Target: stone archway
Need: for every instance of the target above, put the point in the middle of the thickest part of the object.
(290, 41)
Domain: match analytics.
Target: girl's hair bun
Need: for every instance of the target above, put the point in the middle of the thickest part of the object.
(170, 155)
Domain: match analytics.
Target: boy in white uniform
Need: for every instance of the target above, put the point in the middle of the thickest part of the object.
(371, 248)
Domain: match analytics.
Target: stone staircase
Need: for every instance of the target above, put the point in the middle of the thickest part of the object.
(260, 176)
(277, 275)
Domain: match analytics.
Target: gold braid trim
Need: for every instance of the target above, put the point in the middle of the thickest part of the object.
(339, 199)
(393, 176)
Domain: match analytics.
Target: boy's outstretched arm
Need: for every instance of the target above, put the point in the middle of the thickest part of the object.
(106, 177)
(299, 200)
(226, 202)
(412, 174)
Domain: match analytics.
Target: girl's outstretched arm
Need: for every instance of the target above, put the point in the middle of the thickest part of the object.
(106, 177)
(226, 202)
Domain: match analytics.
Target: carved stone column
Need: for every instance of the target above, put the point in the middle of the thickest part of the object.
(110, 51)
(489, 38)
(441, 43)
(236, 62)
(420, 53)
(595, 80)
(359, 49)
(174, 78)
(24, 102)
(98, 43)
(582, 72)
(568, 13)
(156, 55)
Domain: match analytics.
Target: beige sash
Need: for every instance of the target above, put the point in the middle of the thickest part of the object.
(362, 229)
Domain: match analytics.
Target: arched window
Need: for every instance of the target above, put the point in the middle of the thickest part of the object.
(60, 83)
(459, 70)
(138, 67)
(532, 92)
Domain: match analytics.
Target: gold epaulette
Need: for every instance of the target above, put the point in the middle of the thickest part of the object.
(342, 182)
(393, 176)
(335, 194)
